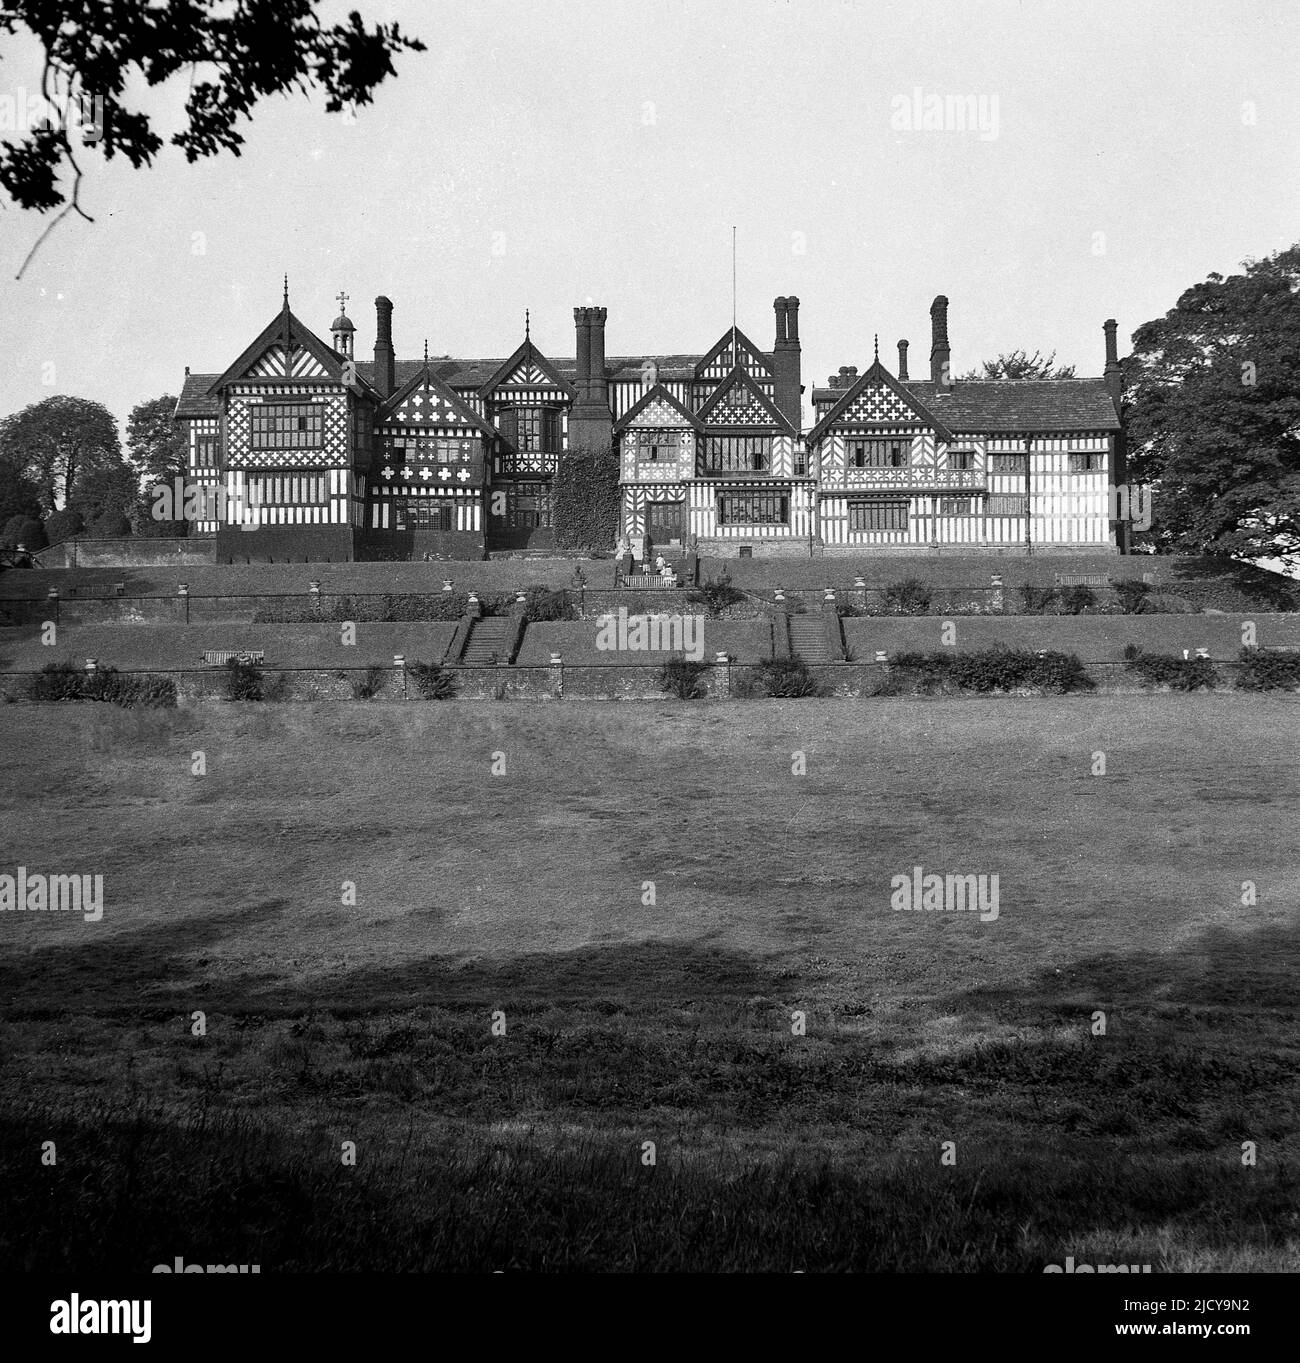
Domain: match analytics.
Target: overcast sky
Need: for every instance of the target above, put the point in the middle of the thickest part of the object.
(550, 155)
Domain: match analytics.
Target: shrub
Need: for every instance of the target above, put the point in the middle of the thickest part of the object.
(423, 608)
(369, 684)
(243, 680)
(779, 679)
(1268, 670)
(992, 669)
(717, 594)
(1035, 600)
(1167, 669)
(1132, 594)
(684, 678)
(911, 596)
(24, 530)
(278, 689)
(1076, 600)
(62, 525)
(433, 681)
(541, 603)
(64, 681)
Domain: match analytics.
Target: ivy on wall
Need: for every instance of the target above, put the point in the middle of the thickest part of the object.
(586, 505)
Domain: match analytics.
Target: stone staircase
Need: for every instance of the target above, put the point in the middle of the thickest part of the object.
(489, 641)
(808, 638)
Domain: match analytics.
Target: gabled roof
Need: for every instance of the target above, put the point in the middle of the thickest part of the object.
(527, 355)
(656, 394)
(724, 342)
(707, 415)
(195, 399)
(444, 407)
(286, 331)
(878, 374)
(974, 406)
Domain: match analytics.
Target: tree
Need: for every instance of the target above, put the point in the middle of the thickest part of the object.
(1213, 414)
(18, 495)
(246, 51)
(57, 441)
(63, 525)
(105, 494)
(156, 452)
(1016, 364)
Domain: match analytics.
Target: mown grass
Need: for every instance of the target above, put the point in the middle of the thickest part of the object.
(672, 1022)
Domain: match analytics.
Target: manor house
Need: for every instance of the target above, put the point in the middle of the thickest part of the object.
(324, 456)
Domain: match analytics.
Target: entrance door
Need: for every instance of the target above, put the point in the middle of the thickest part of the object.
(663, 524)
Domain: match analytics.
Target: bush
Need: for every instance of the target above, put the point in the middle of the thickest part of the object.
(1271, 670)
(369, 684)
(278, 689)
(1035, 600)
(433, 681)
(911, 596)
(991, 669)
(1132, 594)
(778, 679)
(716, 594)
(62, 525)
(1076, 600)
(24, 530)
(243, 680)
(684, 678)
(1167, 669)
(64, 681)
(400, 608)
(541, 603)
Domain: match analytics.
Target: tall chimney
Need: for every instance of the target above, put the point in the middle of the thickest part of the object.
(591, 422)
(582, 376)
(786, 362)
(940, 355)
(902, 361)
(598, 380)
(384, 360)
(1113, 375)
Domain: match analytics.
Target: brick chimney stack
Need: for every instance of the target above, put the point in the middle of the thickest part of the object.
(1113, 374)
(902, 361)
(590, 421)
(787, 362)
(385, 380)
(940, 354)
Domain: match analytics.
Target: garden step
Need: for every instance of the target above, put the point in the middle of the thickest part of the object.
(488, 642)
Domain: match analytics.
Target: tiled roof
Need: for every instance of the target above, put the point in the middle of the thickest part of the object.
(194, 399)
(1021, 404)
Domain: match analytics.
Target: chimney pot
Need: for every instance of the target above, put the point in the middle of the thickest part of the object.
(385, 366)
(902, 361)
(940, 352)
(792, 319)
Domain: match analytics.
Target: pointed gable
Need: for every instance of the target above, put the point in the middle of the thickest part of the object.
(527, 368)
(424, 400)
(754, 408)
(877, 398)
(734, 350)
(285, 349)
(656, 408)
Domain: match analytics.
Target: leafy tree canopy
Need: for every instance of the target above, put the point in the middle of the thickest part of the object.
(1213, 414)
(1017, 364)
(154, 448)
(56, 442)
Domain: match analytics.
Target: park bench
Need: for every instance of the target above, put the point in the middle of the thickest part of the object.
(219, 657)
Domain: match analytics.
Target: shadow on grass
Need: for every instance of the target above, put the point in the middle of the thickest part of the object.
(1257, 588)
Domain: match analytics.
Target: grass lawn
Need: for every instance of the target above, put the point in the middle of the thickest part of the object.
(670, 1022)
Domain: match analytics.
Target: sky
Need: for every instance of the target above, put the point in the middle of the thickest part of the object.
(551, 155)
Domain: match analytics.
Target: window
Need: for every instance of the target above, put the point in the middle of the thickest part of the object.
(1007, 463)
(1011, 505)
(528, 506)
(423, 514)
(954, 506)
(737, 395)
(286, 489)
(878, 515)
(287, 426)
(207, 451)
(961, 459)
(738, 454)
(879, 454)
(800, 464)
(1087, 463)
(656, 447)
(754, 508)
(532, 429)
